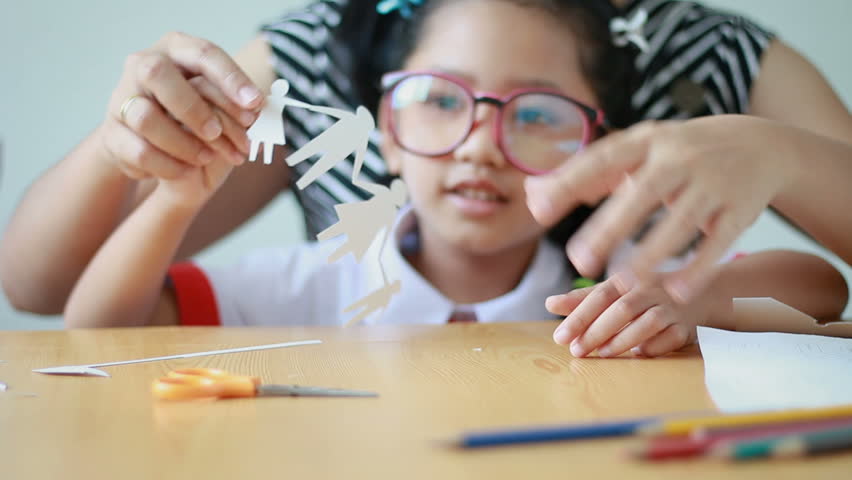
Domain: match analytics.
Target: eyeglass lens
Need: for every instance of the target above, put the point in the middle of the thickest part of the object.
(431, 115)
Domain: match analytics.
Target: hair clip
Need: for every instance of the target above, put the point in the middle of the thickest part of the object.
(625, 32)
(404, 6)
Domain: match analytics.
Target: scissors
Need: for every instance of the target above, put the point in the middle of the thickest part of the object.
(195, 383)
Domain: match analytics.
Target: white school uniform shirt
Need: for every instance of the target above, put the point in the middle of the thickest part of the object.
(297, 286)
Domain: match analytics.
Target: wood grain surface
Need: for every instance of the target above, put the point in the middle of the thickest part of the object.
(434, 382)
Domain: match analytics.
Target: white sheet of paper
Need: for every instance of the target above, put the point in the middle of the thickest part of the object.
(768, 371)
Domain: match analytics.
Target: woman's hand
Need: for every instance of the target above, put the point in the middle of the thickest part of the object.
(713, 174)
(179, 104)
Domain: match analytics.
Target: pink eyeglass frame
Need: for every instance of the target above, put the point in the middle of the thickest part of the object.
(593, 118)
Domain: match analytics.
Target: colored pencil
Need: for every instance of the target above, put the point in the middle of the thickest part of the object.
(492, 438)
(699, 443)
(685, 426)
(826, 440)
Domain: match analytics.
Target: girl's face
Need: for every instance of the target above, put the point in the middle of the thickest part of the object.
(472, 198)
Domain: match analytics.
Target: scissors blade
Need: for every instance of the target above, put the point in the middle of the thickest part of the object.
(302, 391)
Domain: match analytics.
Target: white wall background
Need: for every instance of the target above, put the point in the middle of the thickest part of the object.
(60, 61)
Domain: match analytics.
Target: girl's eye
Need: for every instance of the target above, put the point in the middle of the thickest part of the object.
(534, 116)
(444, 102)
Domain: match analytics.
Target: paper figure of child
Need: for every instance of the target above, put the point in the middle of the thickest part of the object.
(362, 222)
(376, 300)
(351, 133)
(268, 129)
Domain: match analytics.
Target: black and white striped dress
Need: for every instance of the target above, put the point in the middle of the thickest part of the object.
(700, 62)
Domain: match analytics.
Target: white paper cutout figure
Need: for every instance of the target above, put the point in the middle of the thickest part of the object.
(268, 129)
(375, 301)
(362, 222)
(351, 133)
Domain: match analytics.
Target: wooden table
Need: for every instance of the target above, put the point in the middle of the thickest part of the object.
(434, 382)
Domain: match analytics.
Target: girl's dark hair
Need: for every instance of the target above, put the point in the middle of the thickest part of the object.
(370, 44)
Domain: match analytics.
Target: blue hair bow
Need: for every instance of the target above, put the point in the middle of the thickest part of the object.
(404, 6)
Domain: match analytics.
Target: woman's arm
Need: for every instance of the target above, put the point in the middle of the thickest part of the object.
(59, 224)
(791, 90)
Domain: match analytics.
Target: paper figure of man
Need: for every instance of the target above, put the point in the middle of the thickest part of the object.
(351, 133)
(268, 129)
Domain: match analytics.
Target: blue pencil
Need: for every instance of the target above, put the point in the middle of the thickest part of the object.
(492, 438)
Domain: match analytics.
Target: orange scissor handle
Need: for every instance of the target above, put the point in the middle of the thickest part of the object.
(194, 383)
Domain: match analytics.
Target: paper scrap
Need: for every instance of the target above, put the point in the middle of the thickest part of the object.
(3, 387)
(89, 370)
(767, 371)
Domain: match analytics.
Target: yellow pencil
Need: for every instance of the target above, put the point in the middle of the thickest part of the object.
(687, 425)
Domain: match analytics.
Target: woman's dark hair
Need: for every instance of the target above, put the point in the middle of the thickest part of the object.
(370, 44)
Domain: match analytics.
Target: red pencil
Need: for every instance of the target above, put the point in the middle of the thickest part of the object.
(681, 446)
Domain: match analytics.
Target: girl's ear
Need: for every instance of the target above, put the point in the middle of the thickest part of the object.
(389, 149)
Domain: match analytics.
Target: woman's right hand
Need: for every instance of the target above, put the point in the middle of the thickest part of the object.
(713, 174)
(179, 104)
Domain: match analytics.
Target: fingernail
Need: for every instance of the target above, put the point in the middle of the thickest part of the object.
(247, 118)
(237, 158)
(540, 207)
(212, 129)
(636, 351)
(577, 349)
(248, 94)
(537, 198)
(581, 256)
(604, 352)
(625, 280)
(560, 336)
(206, 156)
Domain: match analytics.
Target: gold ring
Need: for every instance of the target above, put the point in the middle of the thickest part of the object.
(125, 106)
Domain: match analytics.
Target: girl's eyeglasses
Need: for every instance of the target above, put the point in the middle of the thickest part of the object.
(536, 129)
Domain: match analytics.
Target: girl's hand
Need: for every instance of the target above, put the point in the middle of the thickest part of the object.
(643, 318)
(714, 174)
(195, 185)
(180, 104)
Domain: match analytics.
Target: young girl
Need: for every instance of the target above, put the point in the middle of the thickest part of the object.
(468, 111)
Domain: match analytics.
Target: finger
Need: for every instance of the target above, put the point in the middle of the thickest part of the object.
(565, 303)
(686, 283)
(619, 217)
(134, 154)
(233, 144)
(200, 56)
(581, 317)
(675, 231)
(160, 78)
(133, 172)
(617, 316)
(147, 119)
(674, 337)
(647, 325)
(216, 97)
(588, 176)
